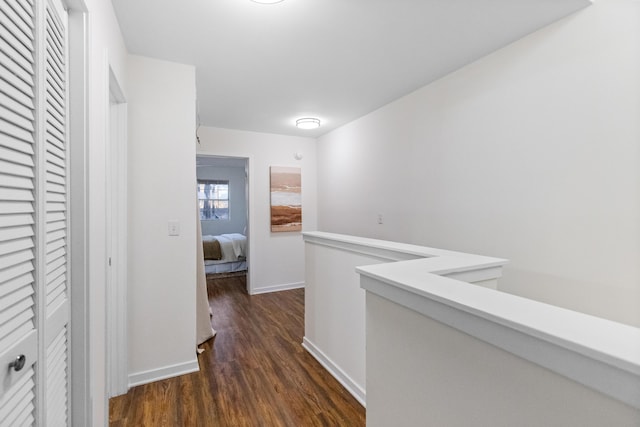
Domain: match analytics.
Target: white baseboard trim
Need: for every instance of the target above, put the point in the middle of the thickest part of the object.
(352, 387)
(152, 375)
(277, 288)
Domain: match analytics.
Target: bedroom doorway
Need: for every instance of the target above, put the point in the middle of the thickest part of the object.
(223, 200)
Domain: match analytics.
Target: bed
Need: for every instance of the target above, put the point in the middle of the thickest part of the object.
(225, 253)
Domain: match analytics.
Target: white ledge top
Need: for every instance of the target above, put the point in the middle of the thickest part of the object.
(611, 342)
(405, 248)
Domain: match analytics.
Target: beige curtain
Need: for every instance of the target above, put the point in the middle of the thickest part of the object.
(204, 330)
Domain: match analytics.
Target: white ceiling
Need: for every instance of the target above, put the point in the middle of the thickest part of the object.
(259, 67)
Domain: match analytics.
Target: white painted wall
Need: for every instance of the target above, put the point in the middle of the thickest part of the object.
(105, 48)
(276, 260)
(422, 372)
(162, 177)
(237, 200)
(530, 154)
(334, 308)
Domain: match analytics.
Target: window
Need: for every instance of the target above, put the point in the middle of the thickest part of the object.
(213, 197)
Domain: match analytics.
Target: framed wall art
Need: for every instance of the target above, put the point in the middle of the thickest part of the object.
(286, 198)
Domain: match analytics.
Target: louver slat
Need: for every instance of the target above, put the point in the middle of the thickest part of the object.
(25, 14)
(17, 404)
(56, 380)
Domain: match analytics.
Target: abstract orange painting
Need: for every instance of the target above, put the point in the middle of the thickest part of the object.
(286, 199)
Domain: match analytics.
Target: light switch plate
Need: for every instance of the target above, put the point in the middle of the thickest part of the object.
(174, 228)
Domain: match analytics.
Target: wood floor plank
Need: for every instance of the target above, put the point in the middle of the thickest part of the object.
(253, 373)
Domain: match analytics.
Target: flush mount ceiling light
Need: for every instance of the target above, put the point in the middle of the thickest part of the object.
(308, 123)
(266, 1)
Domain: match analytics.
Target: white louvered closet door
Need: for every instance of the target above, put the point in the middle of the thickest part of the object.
(54, 298)
(34, 308)
(18, 332)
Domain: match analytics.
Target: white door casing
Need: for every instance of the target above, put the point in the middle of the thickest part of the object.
(116, 194)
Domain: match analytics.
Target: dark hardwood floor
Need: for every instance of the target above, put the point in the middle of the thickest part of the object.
(253, 373)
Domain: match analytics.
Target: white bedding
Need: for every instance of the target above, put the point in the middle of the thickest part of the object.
(238, 242)
(233, 247)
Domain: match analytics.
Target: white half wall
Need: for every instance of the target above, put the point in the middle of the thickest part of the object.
(334, 317)
(276, 260)
(531, 153)
(162, 177)
(423, 372)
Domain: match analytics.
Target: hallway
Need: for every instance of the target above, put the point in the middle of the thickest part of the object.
(253, 373)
